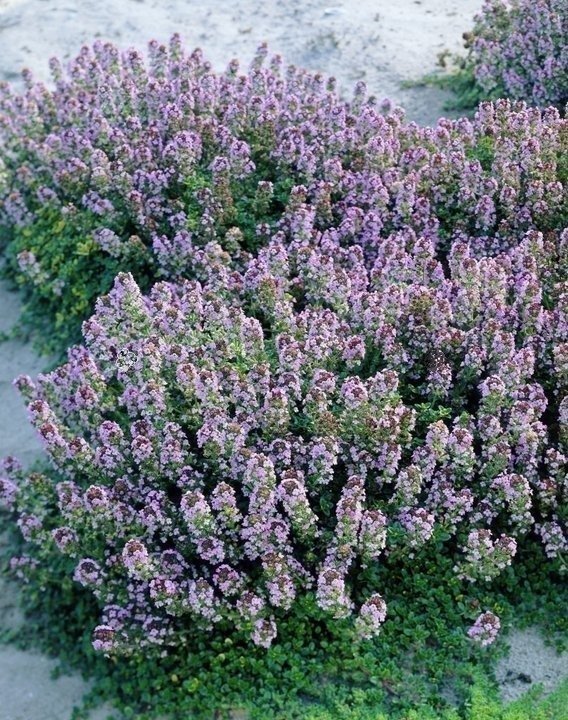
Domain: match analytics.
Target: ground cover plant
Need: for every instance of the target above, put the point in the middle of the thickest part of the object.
(520, 50)
(153, 170)
(516, 49)
(224, 469)
(322, 461)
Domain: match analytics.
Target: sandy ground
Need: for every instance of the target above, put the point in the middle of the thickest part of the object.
(27, 691)
(382, 42)
(17, 437)
(530, 662)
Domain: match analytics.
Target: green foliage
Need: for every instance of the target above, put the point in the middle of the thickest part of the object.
(484, 705)
(74, 271)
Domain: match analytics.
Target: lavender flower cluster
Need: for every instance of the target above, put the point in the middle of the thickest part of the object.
(174, 164)
(519, 48)
(485, 629)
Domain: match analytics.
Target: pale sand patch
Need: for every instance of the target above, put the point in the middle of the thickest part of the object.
(529, 662)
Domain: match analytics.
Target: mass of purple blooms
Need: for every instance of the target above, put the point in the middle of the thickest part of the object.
(382, 365)
(175, 164)
(196, 444)
(520, 50)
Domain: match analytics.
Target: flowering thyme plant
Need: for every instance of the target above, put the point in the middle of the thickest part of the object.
(485, 629)
(519, 50)
(155, 168)
(219, 461)
(348, 384)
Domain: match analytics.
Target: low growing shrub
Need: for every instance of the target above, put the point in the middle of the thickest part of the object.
(124, 167)
(219, 463)
(340, 414)
(519, 50)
